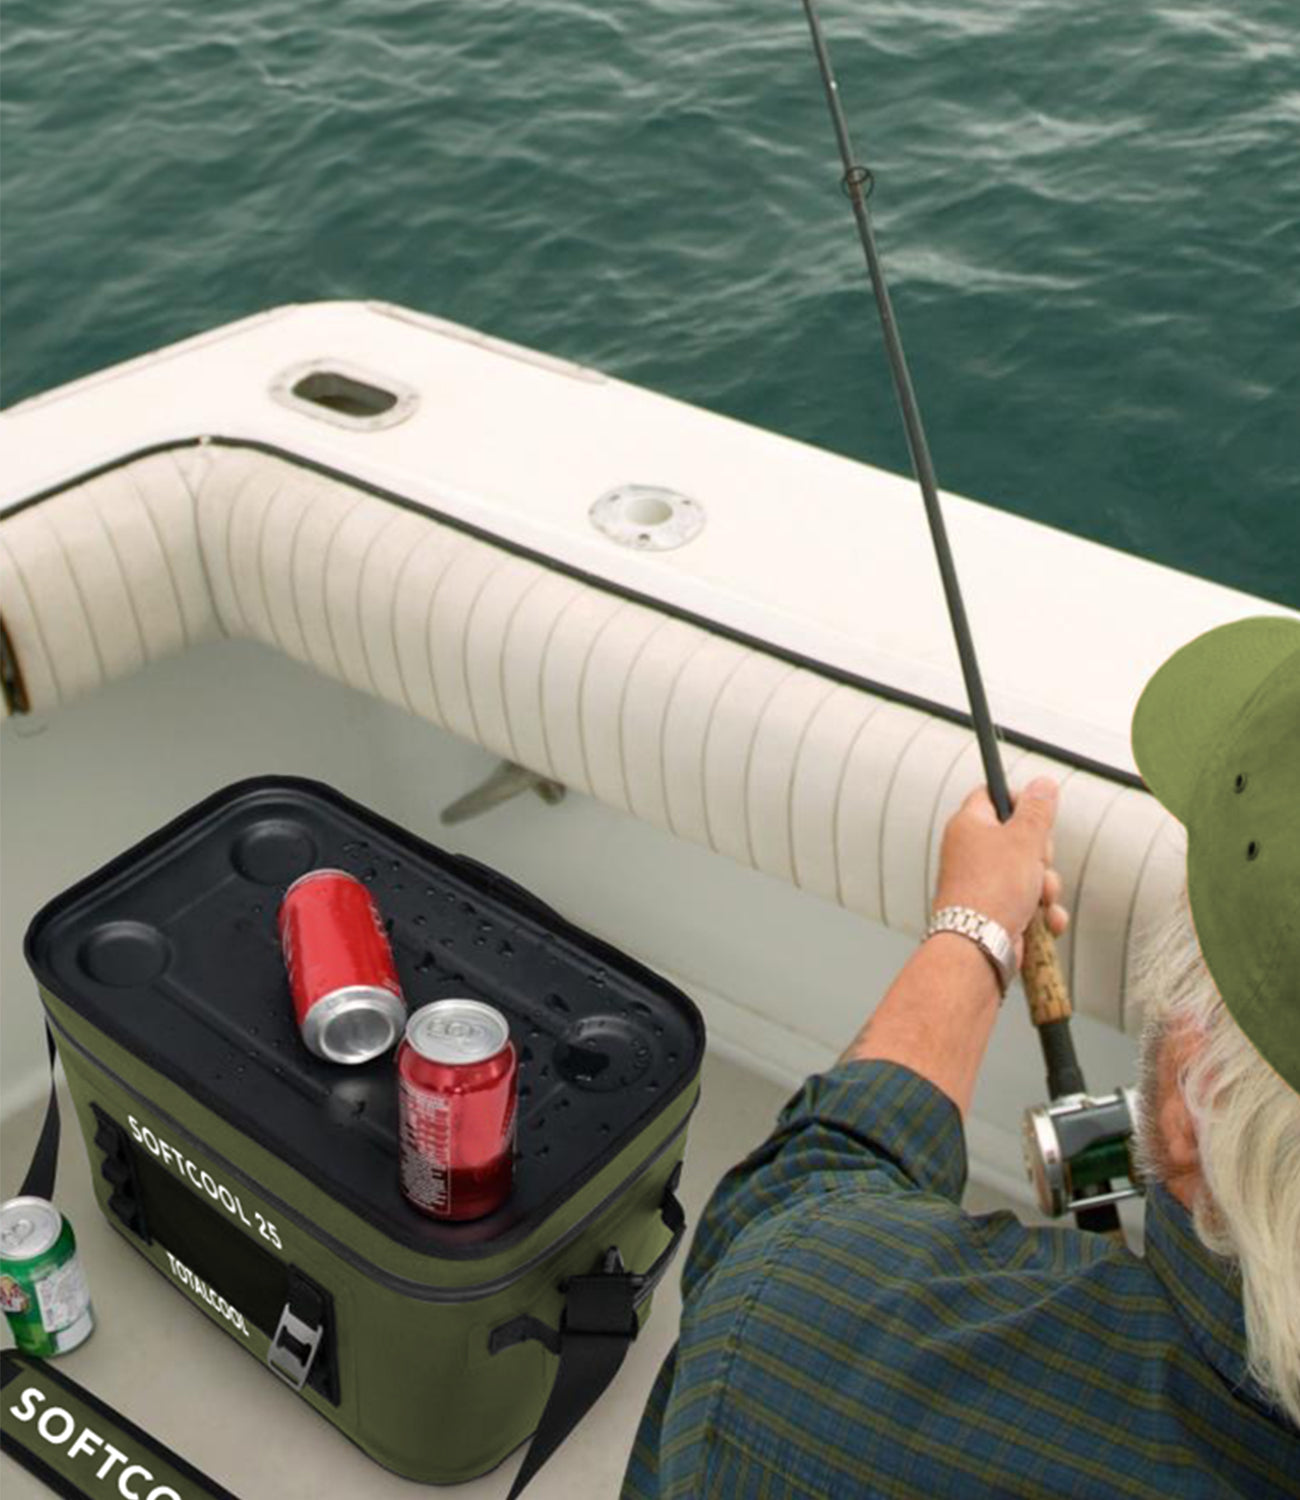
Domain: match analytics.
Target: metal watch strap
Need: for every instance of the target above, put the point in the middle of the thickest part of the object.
(989, 936)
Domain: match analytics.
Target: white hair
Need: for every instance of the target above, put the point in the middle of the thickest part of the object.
(1247, 1122)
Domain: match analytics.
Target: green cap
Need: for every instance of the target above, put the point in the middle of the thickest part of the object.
(1216, 735)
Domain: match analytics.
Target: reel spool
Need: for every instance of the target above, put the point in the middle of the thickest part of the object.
(1076, 1142)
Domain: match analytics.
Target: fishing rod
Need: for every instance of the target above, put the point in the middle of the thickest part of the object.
(1076, 1142)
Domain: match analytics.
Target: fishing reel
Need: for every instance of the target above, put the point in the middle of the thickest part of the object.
(1076, 1142)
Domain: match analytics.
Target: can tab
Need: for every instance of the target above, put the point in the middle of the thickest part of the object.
(298, 1333)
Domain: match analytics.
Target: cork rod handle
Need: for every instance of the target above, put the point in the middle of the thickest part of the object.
(1040, 971)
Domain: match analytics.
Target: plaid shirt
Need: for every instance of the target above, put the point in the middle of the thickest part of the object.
(847, 1331)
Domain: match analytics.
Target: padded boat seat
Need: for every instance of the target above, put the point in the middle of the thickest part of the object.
(841, 792)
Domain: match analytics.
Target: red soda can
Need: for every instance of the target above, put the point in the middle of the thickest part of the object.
(345, 989)
(457, 1086)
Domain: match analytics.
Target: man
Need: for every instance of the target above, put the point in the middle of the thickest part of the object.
(847, 1331)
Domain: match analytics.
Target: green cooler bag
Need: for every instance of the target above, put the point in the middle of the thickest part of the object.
(262, 1182)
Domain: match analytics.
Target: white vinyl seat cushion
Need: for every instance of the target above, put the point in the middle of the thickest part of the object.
(836, 790)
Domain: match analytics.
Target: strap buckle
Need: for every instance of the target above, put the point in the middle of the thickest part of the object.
(603, 1304)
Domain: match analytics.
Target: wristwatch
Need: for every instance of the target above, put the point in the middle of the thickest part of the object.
(984, 932)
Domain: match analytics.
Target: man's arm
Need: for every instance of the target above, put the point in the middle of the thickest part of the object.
(937, 1016)
(865, 1122)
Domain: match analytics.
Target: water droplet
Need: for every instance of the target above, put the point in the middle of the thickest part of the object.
(565, 1102)
(659, 1031)
(604, 1128)
(505, 950)
(485, 927)
(426, 963)
(558, 1002)
(525, 1089)
(257, 908)
(641, 1008)
(446, 942)
(420, 920)
(542, 1151)
(598, 978)
(399, 885)
(526, 1054)
(394, 865)
(369, 873)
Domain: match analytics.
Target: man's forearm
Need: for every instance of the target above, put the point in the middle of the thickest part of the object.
(937, 1016)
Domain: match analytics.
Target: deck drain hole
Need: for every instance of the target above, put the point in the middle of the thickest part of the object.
(345, 395)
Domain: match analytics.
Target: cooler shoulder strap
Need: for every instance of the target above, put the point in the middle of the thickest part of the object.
(39, 1182)
(597, 1328)
(80, 1446)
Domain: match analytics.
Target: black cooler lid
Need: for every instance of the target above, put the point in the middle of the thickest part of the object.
(172, 951)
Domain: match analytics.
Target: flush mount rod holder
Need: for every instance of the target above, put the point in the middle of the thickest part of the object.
(1049, 1002)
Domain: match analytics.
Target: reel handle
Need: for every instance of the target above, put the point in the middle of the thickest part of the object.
(1040, 971)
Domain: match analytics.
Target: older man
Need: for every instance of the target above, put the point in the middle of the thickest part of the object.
(848, 1331)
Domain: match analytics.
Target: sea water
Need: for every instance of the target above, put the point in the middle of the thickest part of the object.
(1089, 215)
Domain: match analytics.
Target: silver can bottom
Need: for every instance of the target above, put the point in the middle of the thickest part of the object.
(354, 1024)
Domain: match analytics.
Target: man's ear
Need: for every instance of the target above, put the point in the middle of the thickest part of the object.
(1178, 1132)
(1179, 1147)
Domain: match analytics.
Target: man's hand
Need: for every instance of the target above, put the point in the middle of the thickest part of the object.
(1004, 869)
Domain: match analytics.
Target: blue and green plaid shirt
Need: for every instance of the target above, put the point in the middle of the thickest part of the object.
(848, 1331)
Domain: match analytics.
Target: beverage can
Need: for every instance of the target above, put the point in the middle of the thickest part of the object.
(457, 1084)
(42, 1286)
(346, 994)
